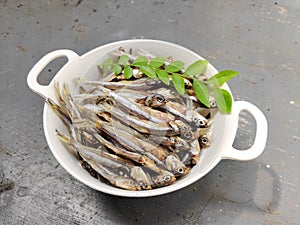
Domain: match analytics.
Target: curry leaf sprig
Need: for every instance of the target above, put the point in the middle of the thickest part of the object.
(174, 71)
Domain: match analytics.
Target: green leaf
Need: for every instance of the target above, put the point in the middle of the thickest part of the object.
(128, 72)
(223, 100)
(157, 62)
(175, 66)
(117, 69)
(148, 71)
(201, 91)
(178, 82)
(220, 78)
(196, 68)
(123, 60)
(107, 65)
(109, 61)
(140, 61)
(163, 76)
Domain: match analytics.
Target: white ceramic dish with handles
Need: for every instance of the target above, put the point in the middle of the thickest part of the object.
(224, 128)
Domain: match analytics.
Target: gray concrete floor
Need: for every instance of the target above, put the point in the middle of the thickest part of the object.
(260, 39)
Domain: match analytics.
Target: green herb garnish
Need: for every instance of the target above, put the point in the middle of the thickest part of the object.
(174, 71)
(201, 91)
(163, 76)
(196, 68)
(178, 82)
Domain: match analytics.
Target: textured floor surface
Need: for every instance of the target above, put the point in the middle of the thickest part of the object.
(260, 39)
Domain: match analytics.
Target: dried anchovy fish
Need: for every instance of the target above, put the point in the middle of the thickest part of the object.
(134, 134)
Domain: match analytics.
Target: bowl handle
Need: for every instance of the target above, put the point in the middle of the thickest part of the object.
(32, 82)
(260, 137)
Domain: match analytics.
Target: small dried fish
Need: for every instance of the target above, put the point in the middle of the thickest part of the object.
(131, 107)
(102, 165)
(204, 137)
(189, 115)
(143, 126)
(116, 162)
(113, 178)
(138, 174)
(137, 133)
(192, 156)
(153, 101)
(136, 95)
(134, 156)
(64, 108)
(162, 180)
(139, 84)
(174, 164)
(65, 119)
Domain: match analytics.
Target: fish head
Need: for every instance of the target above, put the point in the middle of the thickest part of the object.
(162, 180)
(175, 165)
(199, 120)
(212, 102)
(180, 143)
(138, 174)
(204, 141)
(183, 126)
(144, 185)
(156, 100)
(159, 99)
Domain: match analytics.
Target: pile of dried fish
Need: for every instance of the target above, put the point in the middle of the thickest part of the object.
(135, 134)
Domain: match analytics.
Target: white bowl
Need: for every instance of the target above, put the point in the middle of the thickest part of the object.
(225, 126)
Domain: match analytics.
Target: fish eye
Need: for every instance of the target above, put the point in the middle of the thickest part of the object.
(187, 135)
(143, 184)
(213, 104)
(201, 122)
(180, 170)
(167, 178)
(160, 99)
(204, 140)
